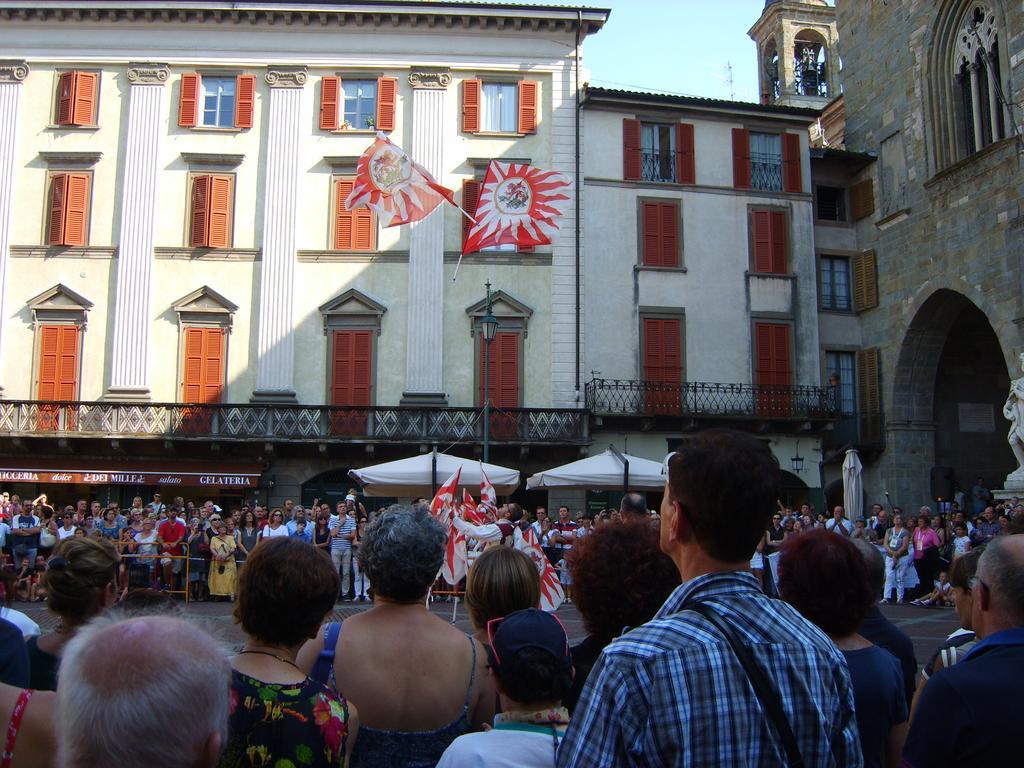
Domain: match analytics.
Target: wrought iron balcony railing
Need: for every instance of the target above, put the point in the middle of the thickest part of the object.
(658, 165)
(290, 422)
(699, 399)
(766, 171)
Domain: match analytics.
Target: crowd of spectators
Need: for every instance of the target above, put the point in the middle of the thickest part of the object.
(724, 630)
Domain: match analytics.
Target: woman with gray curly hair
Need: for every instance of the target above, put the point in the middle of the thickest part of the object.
(417, 681)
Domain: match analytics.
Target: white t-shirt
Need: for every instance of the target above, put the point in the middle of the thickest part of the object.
(62, 534)
(845, 526)
(147, 544)
(502, 748)
(961, 545)
(28, 627)
(270, 533)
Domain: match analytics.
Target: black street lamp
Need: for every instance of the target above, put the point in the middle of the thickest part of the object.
(797, 462)
(489, 326)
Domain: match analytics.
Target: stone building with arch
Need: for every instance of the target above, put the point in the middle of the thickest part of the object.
(933, 94)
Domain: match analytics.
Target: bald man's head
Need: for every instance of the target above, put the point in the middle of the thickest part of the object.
(634, 503)
(1001, 572)
(187, 682)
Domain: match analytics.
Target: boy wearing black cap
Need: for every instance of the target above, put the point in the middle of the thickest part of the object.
(532, 669)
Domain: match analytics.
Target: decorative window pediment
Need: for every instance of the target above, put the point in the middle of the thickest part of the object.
(352, 309)
(512, 314)
(60, 304)
(204, 306)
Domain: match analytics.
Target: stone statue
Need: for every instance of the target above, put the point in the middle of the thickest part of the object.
(1013, 410)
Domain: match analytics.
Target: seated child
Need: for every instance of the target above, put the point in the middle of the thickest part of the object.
(941, 595)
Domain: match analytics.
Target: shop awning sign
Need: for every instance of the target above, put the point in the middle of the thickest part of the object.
(134, 476)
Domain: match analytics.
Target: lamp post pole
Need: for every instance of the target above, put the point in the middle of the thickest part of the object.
(489, 325)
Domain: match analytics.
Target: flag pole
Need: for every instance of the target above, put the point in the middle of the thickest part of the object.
(459, 264)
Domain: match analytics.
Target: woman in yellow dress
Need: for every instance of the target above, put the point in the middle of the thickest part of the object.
(222, 565)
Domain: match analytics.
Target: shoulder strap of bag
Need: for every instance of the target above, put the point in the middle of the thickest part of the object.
(763, 688)
(325, 661)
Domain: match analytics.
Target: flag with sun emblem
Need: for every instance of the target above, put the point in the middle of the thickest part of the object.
(518, 204)
(397, 188)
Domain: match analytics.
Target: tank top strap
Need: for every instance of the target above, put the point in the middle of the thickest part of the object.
(472, 675)
(14, 726)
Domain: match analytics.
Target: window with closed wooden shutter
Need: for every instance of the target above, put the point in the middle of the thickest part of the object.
(865, 281)
(869, 395)
(351, 380)
(68, 210)
(660, 240)
(188, 100)
(330, 90)
(741, 158)
(76, 98)
(353, 230)
(792, 171)
(387, 95)
(203, 376)
(502, 382)
(528, 96)
(770, 241)
(212, 211)
(662, 365)
(862, 199)
(58, 374)
(773, 369)
(470, 198)
(686, 166)
(471, 97)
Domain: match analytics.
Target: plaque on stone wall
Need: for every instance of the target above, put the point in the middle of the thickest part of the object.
(976, 417)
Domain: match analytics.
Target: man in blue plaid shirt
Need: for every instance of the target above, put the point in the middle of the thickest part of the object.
(673, 692)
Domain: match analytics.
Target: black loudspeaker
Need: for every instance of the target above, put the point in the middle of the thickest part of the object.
(942, 481)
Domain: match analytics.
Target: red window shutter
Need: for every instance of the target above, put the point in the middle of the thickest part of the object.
(741, 158)
(471, 105)
(200, 230)
(792, 175)
(686, 166)
(762, 222)
(631, 167)
(66, 98)
(203, 380)
(387, 94)
(245, 99)
(76, 209)
(503, 375)
(779, 249)
(651, 221)
(662, 350)
(772, 365)
(352, 368)
(669, 234)
(330, 88)
(84, 110)
(188, 100)
(220, 211)
(345, 221)
(58, 362)
(528, 90)
(58, 198)
(364, 227)
(470, 197)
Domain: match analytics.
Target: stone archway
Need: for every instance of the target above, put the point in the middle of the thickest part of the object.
(949, 383)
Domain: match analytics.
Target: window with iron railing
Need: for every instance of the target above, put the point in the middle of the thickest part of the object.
(831, 204)
(766, 161)
(657, 152)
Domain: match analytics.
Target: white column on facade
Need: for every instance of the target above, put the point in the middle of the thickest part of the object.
(275, 351)
(564, 275)
(976, 106)
(129, 375)
(12, 74)
(424, 367)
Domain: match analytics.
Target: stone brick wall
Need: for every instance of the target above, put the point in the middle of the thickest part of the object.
(943, 236)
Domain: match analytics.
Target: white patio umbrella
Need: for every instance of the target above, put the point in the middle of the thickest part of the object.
(610, 469)
(418, 475)
(853, 485)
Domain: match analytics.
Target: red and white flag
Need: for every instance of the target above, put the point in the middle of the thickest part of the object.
(397, 188)
(444, 500)
(518, 204)
(488, 498)
(453, 569)
(471, 511)
(551, 592)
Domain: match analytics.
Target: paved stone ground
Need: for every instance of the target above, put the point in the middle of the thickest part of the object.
(927, 627)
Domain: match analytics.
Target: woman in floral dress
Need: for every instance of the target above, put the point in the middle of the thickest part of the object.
(279, 716)
(222, 562)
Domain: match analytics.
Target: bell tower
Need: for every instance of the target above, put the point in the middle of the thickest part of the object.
(798, 64)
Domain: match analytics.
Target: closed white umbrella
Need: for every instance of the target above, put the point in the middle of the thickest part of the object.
(853, 485)
(605, 470)
(417, 476)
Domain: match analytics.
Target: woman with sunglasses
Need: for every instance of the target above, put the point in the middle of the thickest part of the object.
(275, 527)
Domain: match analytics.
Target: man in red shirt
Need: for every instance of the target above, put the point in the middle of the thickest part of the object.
(170, 534)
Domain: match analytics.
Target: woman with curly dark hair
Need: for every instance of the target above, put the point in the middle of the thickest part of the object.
(621, 579)
(825, 577)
